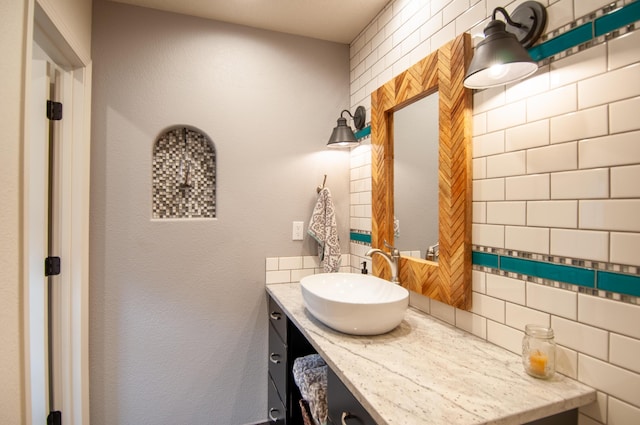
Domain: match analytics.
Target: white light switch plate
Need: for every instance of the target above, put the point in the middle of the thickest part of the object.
(298, 231)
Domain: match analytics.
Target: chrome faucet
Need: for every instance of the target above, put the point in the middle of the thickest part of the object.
(433, 252)
(392, 257)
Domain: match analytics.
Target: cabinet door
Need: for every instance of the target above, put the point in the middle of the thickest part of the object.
(277, 412)
(278, 362)
(344, 409)
(278, 319)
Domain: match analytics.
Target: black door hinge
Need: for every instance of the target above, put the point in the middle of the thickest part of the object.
(54, 418)
(52, 266)
(54, 110)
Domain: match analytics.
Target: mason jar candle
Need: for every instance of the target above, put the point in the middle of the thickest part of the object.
(539, 351)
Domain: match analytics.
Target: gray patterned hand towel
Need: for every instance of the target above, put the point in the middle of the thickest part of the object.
(310, 375)
(323, 228)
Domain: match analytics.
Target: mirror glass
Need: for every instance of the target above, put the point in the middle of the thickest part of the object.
(415, 172)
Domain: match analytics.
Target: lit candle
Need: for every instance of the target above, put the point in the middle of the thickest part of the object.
(538, 363)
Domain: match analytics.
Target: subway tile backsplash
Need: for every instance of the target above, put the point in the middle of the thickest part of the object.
(513, 213)
(610, 151)
(531, 187)
(622, 115)
(582, 338)
(612, 86)
(526, 136)
(292, 269)
(587, 244)
(578, 125)
(556, 166)
(547, 159)
(552, 103)
(582, 184)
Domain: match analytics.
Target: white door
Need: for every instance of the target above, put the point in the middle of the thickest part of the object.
(36, 190)
(56, 224)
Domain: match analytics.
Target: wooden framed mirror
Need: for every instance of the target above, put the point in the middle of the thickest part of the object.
(449, 279)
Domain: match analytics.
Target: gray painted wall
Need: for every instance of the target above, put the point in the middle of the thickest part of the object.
(178, 314)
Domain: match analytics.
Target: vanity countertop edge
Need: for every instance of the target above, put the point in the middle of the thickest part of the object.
(427, 371)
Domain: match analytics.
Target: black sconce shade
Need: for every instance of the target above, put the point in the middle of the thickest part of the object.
(501, 58)
(342, 135)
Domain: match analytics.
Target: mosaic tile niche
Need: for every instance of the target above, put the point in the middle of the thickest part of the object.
(184, 175)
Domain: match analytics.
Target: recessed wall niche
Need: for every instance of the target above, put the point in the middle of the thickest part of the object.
(184, 175)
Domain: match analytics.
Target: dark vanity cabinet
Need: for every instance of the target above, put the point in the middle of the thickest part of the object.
(286, 343)
(343, 406)
(277, 364)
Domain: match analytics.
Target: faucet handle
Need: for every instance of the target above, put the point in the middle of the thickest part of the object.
(392, 250)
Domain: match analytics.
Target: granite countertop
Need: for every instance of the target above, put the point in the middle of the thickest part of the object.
(426, 371)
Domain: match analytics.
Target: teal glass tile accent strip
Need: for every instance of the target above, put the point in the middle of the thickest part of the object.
(361, 237)
(602, 279)
(569, 39)
(620, 283)
(361, 134)
(617, 19)
(557, 272)
(485, 259)
(602, 25)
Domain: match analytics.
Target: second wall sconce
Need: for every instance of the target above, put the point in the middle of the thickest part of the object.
(501, 58)
(342, 135)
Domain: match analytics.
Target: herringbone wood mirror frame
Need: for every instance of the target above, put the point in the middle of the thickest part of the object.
(448, 280)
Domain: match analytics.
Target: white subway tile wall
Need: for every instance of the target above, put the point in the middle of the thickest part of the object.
(505, 336)
(622, 413)
(514, 213)
(563, 214)
(518, 316)
(559, 157)
(567, 364)
(579, 125)
(472, 323)
(590, 245)
(479, 210)
(488, 235)
(559, 13)
(506, 164)
(292, 269)
(624, 247)
(488, 144)
(536, 84)
(556, 171)
(360, 184)
(535, 186)
(442, 311)
(489, 307)
(582, 338)
(597, 410)
(621, 115)
(506, 288)
(528, 239)
(583, 184)
(620, 178)
(577, 67)
(527, 136)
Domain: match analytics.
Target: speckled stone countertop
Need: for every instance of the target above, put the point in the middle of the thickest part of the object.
(428, 372)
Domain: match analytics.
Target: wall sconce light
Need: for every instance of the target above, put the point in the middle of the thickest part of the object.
(342, 135)
(501, 57)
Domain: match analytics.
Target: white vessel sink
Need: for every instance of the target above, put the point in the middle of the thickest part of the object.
(355, 304)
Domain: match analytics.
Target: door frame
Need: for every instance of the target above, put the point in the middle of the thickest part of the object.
(72, 320)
